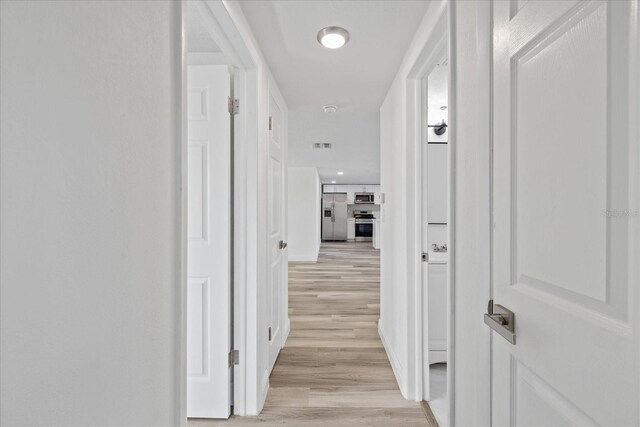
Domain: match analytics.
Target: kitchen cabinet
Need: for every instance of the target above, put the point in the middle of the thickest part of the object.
(437, 322)
(375, 189)
(376, 195)
(352, 189)
(349, 190)
(351, 229)
(437, 183)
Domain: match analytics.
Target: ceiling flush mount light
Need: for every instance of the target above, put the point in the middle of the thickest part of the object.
(340, 173)
(333, 37)
(330, 108)
(333, 182)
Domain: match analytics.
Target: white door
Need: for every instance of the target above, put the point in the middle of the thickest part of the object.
(208, 296)
(565, 212)
(277, 250)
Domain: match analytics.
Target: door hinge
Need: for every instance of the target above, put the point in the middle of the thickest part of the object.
(270, 123)
(269, 333)
(233, 105)
(234, 357)
(425, 256)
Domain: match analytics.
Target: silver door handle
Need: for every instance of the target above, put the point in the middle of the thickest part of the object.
(502, 320)
(282, 244)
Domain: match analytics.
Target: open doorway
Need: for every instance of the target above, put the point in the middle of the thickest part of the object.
(435, 231)
(351, 213)
(235, 175)
(209, 299)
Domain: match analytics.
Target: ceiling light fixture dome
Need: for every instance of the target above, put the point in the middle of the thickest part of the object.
(330, 108)
(333, 37)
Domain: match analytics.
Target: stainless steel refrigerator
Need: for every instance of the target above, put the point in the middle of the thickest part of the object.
(334, 216)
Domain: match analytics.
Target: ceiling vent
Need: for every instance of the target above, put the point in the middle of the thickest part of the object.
(322, 145)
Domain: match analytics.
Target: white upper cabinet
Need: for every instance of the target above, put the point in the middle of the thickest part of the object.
(376, 195)
(437, 183)
(351, 189)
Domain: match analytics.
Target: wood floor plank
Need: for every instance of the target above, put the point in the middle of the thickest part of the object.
(334, 370)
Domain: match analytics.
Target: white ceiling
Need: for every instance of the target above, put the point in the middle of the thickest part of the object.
(355, 77)
(198, 37)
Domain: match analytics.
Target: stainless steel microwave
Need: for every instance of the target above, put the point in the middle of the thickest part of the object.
(363, 198)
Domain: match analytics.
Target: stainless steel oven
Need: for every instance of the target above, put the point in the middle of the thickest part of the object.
(364, 226)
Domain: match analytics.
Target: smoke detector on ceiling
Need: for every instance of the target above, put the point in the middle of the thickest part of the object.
(330, 108)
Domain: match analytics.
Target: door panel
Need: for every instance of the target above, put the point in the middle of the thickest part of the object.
(277, 254)
(208, 303)
(562, 164)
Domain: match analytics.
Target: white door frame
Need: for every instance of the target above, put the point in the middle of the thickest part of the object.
(434, 50)
(470, 225)
(455, 26)
(221, 19)
(437, 54)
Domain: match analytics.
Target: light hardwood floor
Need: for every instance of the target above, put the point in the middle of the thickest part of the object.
(333, 370)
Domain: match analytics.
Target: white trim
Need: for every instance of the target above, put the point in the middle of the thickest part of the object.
(451, 308)
(207, 58)
(181, 280)
(287, 330)
(432, 50)
(470, 231)
(396, 364)
(222, 21)
(435, 50)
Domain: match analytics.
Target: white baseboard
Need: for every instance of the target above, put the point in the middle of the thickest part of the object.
(287, 329)
(396, 366)
(265, 391)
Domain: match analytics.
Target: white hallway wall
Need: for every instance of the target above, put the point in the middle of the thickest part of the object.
(304, 213)
(252, 250)
(400, 250)
(90, 213)
(469, 260)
